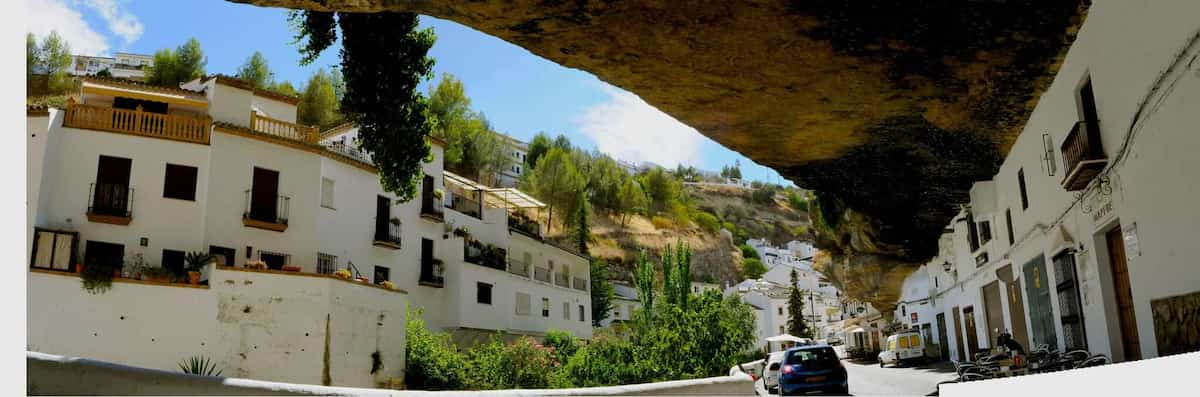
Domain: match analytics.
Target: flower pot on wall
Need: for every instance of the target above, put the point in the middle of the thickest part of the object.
(291, 268)
(193, 277)
(78, 268)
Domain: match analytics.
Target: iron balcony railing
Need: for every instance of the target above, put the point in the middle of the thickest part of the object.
(388, 232)
(466, 206)
(430, 206)
(349, 151)
(579, 283)
(518, 268)
(110, 199)
(526, 227)
(562, 280)
(263, 210)
(541, 274)
(1083, 155)
(432, 273)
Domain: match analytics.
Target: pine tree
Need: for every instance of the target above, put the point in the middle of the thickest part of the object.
(795, 323)
(583, 232)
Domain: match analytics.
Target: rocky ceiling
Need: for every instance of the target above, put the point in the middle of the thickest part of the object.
(890, 109)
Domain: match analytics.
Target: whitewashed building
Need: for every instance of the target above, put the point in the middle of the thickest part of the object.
(1083, 239)
(516, 151)
(123, 65)
(129, 170)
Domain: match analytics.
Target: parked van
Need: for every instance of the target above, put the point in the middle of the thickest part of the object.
(903, 347)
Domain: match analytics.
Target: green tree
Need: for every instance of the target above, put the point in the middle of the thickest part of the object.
(432, 362)
(556, 182)
(605, 178)
(752, 268)
(629, 198)
(562, 142)
(643, 278)
(173, 67)
(602, 292)
(52, 58)
(256, 71)
(795, 322)
(474, 148)
(285, 88)
(583, 231)
(538, 146)
(318, 104)
(797, 201)
(384, 58)
(661, 187)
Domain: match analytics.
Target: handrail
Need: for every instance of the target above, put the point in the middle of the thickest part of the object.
(284, 129)
(139, 122)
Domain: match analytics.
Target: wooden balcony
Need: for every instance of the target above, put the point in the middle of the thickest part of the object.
(195, 129)
(1083, 155)
(284, 129)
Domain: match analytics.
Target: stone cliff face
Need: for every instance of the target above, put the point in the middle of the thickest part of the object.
(889, 108)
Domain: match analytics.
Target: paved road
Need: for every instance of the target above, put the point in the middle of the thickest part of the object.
(867, 379)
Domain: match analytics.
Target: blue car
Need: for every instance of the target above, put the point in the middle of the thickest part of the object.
(808, 369)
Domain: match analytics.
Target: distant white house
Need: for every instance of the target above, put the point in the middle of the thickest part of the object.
(123, 65)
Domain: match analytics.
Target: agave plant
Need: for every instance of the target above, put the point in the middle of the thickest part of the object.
(198, 365)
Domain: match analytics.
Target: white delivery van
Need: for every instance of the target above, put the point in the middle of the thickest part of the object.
(903, 347)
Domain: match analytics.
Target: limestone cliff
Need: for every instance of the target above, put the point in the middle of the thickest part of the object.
(889, 108)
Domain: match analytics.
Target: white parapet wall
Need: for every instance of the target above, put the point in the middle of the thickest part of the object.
(54, 374)
(260, 325)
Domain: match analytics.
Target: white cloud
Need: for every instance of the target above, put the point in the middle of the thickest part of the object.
(628, 128)
(120, 22)
(42, 16)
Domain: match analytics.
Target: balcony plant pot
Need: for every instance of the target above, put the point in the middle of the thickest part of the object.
(362, 280)
(78, 268)
(343, 274)
(291, 268)
(193, 277)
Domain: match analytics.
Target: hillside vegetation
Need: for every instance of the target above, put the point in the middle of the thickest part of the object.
(716, 256)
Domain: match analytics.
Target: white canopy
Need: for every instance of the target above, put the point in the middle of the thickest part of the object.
(855, 330)
(785, 338)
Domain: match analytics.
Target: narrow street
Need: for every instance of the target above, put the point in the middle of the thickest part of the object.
(868, 379)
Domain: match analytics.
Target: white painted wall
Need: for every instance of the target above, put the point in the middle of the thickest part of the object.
(37, 137)
(168, 223)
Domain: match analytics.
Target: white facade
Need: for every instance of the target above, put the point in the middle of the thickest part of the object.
(329, 214)
(1138, 60)
(123, 65)
(515, 150)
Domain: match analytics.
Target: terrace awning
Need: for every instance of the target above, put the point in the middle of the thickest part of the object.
(493, 196)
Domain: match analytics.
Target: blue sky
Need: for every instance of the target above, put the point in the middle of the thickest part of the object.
(519, 92)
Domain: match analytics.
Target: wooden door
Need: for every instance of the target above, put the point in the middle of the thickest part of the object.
(1120, 279)
(993, 311)
(958, 336)
(1016, 314)
(110, 196)
(943, 339)
(264, 195)
(972, 334)
(427, 204)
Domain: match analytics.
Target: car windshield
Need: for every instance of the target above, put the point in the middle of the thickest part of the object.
(821, 358)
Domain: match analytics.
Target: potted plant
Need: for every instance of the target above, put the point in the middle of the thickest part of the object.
(291, 268)
(193, 262)
(97, 276)
(439, 268)
(388, 284)
(156, 274)
(462, 232)
(342, 274)
(394, 221)
(439, 193)
(256, 264)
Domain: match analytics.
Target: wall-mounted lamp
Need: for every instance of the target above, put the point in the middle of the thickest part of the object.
(946, 266)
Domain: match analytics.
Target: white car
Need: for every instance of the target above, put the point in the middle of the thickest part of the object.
(902, 347)
(771, 373)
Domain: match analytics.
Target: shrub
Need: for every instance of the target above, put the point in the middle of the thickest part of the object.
(753, 268)
(729, 226)
(748, 252)
(521, 364)
(564, 344)
(708, 222)
(679, 213)
(798, 202)
(432, 359)
(661, 222)
(606, 360)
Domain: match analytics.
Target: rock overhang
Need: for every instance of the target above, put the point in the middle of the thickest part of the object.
(891, 110)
